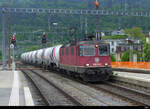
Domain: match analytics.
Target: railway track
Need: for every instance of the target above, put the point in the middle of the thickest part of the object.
(37, 87)
(135, 96)
(77, 93)
(127, 97)
(132, 96)
(46, 99)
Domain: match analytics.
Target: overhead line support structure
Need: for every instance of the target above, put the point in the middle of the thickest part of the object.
(3, 40)
(74, 11)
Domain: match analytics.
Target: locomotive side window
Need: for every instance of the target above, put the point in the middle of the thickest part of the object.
(63, 52)
(72, 51)
(67, 51)
(103, 50)
(86, 51)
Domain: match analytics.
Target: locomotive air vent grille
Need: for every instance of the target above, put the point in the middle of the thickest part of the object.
(97, 60)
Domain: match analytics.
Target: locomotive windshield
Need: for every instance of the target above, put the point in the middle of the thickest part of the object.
(103, 50)
(87, 50)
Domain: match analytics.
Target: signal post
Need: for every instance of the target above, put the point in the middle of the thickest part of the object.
(12, 46)
(43, 47)
(98, 36)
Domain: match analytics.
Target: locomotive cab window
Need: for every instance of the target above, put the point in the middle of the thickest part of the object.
(87, 50)
(103, 50)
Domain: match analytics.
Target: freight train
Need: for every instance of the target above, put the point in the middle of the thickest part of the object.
(89, 60)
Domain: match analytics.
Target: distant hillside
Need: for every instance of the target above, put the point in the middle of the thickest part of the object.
(141, 5)
(25, 22)
(34, 22)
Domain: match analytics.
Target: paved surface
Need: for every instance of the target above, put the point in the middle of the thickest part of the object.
(137, 76)
(6, 79)
(14, 90)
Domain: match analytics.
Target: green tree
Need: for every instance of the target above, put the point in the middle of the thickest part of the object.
(126, 55)
(147, 52)
(113, 59)
(33, 48)
(135, 32)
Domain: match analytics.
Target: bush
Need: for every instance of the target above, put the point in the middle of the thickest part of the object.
(113, 59)
(32, 48)
(126, 56)
(115, 37)
(147, 52)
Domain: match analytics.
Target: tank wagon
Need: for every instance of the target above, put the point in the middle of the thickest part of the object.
(89, 60)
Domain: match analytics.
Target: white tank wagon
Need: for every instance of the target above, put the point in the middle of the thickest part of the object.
(22, 57)
(34, 57)
(26, 57)
(55, 55)
(46, 57)
(39, 56)
(29, 57)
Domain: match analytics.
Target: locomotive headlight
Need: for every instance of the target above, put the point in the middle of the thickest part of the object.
(87, 65)
(106, 64)
(96, 46)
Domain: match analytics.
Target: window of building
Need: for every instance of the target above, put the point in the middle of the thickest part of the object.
(112, 43)
(112, 49)
(122, 48)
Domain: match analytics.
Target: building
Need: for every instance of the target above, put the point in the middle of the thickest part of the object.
(118, 32)
(148, 38)
(119, 46)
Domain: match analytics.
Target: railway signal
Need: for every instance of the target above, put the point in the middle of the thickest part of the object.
(44, 38)
(96, 3)
(13, 40)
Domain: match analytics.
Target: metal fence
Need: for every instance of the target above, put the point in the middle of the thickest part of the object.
(138, 65)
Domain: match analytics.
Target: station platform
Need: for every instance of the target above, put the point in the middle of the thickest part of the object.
(133, 70)
(137, 76)
(14, 90)
(139, 79)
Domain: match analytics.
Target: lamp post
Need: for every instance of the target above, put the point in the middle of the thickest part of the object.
(56, 24)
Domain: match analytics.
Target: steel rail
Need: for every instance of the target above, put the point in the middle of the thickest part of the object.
(74, 100)
(128, 90)
(37, 87)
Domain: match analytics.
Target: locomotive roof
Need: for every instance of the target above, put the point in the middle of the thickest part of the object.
(92, 42)
(85, 42)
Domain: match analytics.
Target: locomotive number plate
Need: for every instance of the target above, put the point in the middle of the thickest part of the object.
(97, 64)
(96, 60)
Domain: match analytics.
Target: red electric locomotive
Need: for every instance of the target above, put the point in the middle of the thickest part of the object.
(89, 60)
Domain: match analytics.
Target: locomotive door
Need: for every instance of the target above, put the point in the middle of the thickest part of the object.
(74, 57)
(77, 55)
